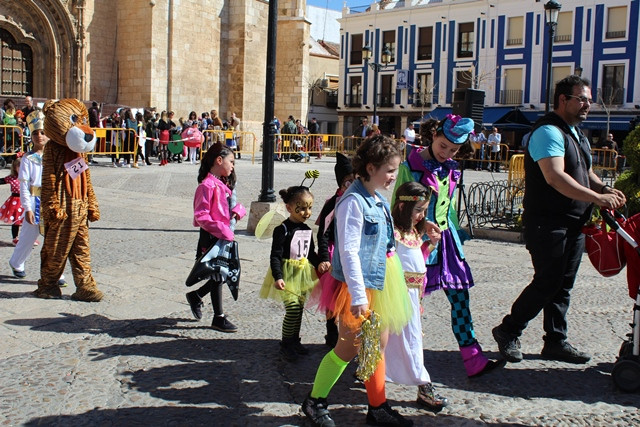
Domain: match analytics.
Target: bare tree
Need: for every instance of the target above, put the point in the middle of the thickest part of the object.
(607, 99)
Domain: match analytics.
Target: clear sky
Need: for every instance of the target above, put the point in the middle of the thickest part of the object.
(337, 4)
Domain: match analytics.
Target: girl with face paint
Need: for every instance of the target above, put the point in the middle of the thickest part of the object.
(291, 274)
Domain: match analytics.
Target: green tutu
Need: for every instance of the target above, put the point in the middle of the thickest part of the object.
(299, 279)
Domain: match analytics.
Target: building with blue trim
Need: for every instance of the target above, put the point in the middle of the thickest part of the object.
(434, 47)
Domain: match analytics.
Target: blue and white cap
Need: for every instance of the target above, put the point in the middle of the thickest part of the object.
(457, 129)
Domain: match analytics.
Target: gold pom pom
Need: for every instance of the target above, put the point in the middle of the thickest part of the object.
(369, 354)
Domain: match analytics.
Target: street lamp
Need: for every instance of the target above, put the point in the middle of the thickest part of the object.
(551, 10)
(386, 58)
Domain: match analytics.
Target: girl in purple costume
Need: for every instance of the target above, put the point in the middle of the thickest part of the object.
(447, 268)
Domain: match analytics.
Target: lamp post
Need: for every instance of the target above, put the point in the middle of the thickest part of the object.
(551, 10)
(386, 58)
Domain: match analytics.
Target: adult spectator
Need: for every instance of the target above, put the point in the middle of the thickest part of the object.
(560, 187)
(479, 144)
(314, 129)
(409, 138)
(363, 128)
(234, 125)
(215, 123)
(609, 143)
(27, 109)
(151, 130)
(494, 141)
(94, 122)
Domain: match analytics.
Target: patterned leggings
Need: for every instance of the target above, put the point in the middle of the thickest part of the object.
(461, 321)
(292, 319)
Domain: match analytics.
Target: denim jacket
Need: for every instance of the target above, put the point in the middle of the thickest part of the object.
(374, 240)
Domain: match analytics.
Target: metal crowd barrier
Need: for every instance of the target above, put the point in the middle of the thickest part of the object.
(495, 203)
(483, 158)
(605, 163)
(295, 147)
(241, 142)
(12, 141)
(111, 141)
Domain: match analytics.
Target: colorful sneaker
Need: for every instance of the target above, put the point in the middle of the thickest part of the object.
(15, 241)
(428, 398)
(383, 415)
(36, 243)
(222, 324)
(195, 302)
(317, 412)
(62, 283)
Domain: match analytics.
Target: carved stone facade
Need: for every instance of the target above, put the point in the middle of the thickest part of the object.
(181, 55)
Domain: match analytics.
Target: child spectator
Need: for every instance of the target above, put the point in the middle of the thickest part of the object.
(11, 210)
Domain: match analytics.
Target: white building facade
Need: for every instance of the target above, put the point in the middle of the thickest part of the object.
(499, 47)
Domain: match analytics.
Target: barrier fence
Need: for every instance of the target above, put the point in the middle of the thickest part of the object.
(12, 140)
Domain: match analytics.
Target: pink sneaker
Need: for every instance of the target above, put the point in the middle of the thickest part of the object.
(36, 243)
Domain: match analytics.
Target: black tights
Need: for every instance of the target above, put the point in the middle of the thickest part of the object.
(15, 229)
(216, 295)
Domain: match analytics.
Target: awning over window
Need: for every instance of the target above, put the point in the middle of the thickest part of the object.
(437, 113)
(493, 114)
(600, 122)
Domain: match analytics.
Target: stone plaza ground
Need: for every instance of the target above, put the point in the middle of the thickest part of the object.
(139, 358)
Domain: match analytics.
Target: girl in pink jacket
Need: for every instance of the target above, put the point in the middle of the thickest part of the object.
(213, 214)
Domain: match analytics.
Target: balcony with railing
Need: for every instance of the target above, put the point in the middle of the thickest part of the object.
(386, 99)
(610, 95)
(511, 96)
(425, 52)
(514, 42)
(615, 34)
(562, 38)
(422, 99)
(353, 100)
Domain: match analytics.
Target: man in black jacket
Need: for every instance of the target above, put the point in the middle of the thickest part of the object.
(560, 188)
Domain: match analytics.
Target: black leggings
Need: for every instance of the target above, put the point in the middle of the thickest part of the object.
(15, 229)
(205, 241)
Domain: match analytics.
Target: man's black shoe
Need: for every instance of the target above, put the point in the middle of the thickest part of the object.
(384, 415)
(316, 410)
(508, 345)
(195, 303)
(564, 352)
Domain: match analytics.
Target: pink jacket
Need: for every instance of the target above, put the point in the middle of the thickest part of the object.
(211, 208)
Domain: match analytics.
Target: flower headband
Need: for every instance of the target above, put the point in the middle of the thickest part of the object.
(412, 198)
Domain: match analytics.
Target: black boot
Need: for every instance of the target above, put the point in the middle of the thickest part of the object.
(288, 349)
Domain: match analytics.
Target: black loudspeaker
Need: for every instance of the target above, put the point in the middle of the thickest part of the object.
(469, 103)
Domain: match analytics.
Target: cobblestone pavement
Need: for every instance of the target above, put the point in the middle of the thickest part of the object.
(139, 358)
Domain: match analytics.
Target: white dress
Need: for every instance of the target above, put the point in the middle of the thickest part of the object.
(404, 353)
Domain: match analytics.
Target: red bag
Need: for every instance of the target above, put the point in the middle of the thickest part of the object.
(605, 249)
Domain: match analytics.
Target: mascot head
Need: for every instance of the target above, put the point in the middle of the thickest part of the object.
(67, 124)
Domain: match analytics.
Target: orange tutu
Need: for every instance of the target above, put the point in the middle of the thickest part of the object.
(392, 303)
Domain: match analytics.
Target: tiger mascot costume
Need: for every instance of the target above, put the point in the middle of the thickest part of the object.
(67, 200)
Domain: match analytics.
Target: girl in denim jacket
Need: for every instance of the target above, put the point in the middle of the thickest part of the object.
(370, 276)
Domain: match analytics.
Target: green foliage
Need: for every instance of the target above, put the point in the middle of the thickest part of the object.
(629, 181)
(629, 185)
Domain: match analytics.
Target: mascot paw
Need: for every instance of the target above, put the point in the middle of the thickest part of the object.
(48, 293)
(87, 295)
(94, 216)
